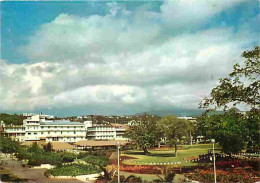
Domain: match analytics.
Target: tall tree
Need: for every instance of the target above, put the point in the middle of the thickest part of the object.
(144, 132)
(229, 129)
(241, 86)
(173, 130)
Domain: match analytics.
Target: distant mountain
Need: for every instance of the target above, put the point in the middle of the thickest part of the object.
(176, 112)
(222, 112)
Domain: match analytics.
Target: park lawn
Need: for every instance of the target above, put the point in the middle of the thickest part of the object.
(167, 156)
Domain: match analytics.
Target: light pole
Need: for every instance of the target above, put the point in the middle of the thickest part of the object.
(118, 161)
(214, 161)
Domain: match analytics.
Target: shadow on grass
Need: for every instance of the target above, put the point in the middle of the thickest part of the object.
(11, 178)
(161, 155)
(135, 153)
(151, 154)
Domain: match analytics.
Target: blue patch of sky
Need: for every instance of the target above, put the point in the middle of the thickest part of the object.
(236, 16)
(21, 19)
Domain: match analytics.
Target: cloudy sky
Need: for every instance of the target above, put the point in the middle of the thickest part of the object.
(119, 57)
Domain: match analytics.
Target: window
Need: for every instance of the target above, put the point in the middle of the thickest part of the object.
(29, 133)
(48, 132)
(74, 132)
(60, 132)
(35, 133)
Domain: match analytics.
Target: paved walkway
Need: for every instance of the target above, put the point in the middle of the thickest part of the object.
(33, 175)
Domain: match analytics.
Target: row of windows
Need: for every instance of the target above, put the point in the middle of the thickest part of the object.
(14, 129)
(48, 127)
(43, 127)
(31, 133)
(63, 138)
(58, 132)
(49, 133)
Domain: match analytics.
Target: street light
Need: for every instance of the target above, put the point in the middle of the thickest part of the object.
(118, 161)
(214, 161)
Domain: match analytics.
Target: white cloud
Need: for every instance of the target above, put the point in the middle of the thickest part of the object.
(180, 13)
(112, 61)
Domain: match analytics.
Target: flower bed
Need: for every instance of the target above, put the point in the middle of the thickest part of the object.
(191, 158)
(232, 176)
(233, 164)
(141, 169)
(148, 169)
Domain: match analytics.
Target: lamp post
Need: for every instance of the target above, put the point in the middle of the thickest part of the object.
(214, 161)
(118, 161)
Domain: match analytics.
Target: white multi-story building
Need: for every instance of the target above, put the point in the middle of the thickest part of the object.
(106, 132)
(37, 128)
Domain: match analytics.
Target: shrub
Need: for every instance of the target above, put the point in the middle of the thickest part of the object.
(72, 170)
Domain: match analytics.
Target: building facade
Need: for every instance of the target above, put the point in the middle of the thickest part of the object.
(36, 128)
(40, 128)
(106, 132)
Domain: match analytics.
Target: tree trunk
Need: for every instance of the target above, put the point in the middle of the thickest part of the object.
(145, 151)
(175, 145)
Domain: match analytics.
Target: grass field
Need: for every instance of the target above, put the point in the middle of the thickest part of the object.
(167, 156)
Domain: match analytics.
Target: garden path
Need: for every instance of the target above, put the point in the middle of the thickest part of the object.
(33, 175)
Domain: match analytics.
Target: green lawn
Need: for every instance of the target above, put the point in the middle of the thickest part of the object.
(167, 156)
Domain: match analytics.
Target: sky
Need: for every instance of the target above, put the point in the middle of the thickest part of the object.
(119, 57)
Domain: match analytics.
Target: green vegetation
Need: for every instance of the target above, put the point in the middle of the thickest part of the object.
(8, 146)
(34, 154)
(232, 130)
(241, 86)
(144, 132)
(173, 130)
(11, 119)
(72, 170)
(166, 156)
(99, 161)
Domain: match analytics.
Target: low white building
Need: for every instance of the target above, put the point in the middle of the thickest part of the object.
(15, 132)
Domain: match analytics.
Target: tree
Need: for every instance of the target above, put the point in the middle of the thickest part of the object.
(241, 86)
(173, 130)
(8, 145)
(34, 148)
(11, 119)
(229, 129)
(144, 132)
(47, 147)
(99, 161)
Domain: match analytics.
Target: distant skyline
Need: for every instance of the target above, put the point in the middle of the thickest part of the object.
(119, 57)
